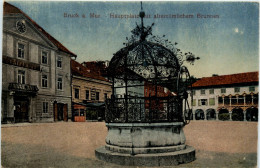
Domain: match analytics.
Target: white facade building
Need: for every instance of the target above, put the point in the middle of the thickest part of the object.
(36, 83)
(227, 97)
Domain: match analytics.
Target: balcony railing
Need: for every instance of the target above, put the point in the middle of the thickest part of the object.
(238, 105)
(23, 87)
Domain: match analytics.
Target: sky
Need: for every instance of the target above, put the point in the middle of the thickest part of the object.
(226, 45)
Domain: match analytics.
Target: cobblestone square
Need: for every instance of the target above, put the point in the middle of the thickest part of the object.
(72, 144)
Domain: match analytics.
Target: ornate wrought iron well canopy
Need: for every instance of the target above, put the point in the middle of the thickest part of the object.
(148, 61)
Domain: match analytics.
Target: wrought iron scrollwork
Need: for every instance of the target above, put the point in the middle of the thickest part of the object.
(147, 58)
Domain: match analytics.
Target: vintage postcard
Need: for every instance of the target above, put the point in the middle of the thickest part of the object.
(129, 83)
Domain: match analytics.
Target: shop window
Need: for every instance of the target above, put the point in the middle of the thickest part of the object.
(45, 107)
(81, 112)
(21, 77)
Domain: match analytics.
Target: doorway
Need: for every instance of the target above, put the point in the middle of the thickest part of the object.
(60, 111)
(21, 109)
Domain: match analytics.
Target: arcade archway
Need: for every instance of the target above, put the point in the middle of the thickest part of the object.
(237, 114)
(252, 114)
(211, 114)
(223, 115)
(199, 114)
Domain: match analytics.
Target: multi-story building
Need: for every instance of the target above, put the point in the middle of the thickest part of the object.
(226, 97)
(36, 83)
(89, 89)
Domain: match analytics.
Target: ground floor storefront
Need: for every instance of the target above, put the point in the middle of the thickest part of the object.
(20, 107)
(227, 113)
(88, 111)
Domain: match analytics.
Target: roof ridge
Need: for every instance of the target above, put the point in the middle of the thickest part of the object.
(230, 74)
(84, 71)
(246, 77)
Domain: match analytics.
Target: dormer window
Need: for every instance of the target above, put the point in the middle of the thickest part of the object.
(44, 57)
(20, 50)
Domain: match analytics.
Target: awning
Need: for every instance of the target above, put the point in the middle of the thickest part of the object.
(95, 104)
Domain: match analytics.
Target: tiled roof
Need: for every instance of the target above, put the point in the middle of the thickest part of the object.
(79, 70)
(240, 78)
(10, 9)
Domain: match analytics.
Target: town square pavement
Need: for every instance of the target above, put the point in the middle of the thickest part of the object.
(72, 144)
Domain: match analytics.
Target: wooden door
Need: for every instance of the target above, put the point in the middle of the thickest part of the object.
(55, 111)
(65, 112)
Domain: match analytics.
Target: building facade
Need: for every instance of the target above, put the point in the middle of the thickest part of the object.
(227, 97)
(89, 89)
(36, 83)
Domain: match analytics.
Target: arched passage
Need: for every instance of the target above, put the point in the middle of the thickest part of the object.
(211, 114)
(252, 114)
(199, 114)
(237, 114)
(223, 114)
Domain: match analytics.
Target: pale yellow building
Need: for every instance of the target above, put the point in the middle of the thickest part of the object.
(89, 89)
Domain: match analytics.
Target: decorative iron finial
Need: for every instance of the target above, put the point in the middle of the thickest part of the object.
(142, 15)
(141, 31)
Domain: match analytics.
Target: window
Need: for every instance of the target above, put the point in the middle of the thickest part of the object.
(44, 81)
(21, 77)
(211, 101)
(59, 62)
(93, 94)
(20, 50)
(97, 95)
(203, 102)
(223, 90)
(105, 96)
(194, 92)
(44, 57)
(237, 89)
(211, 91)
(202, 91)
(59, 83)
(87, 94)
(194, 102)
(76, 93)
(251, 89)
(45, 107)
(81, 112)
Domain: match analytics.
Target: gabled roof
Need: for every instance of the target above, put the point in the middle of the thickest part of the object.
(241, 78)
(79, 70)
(10, 9)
